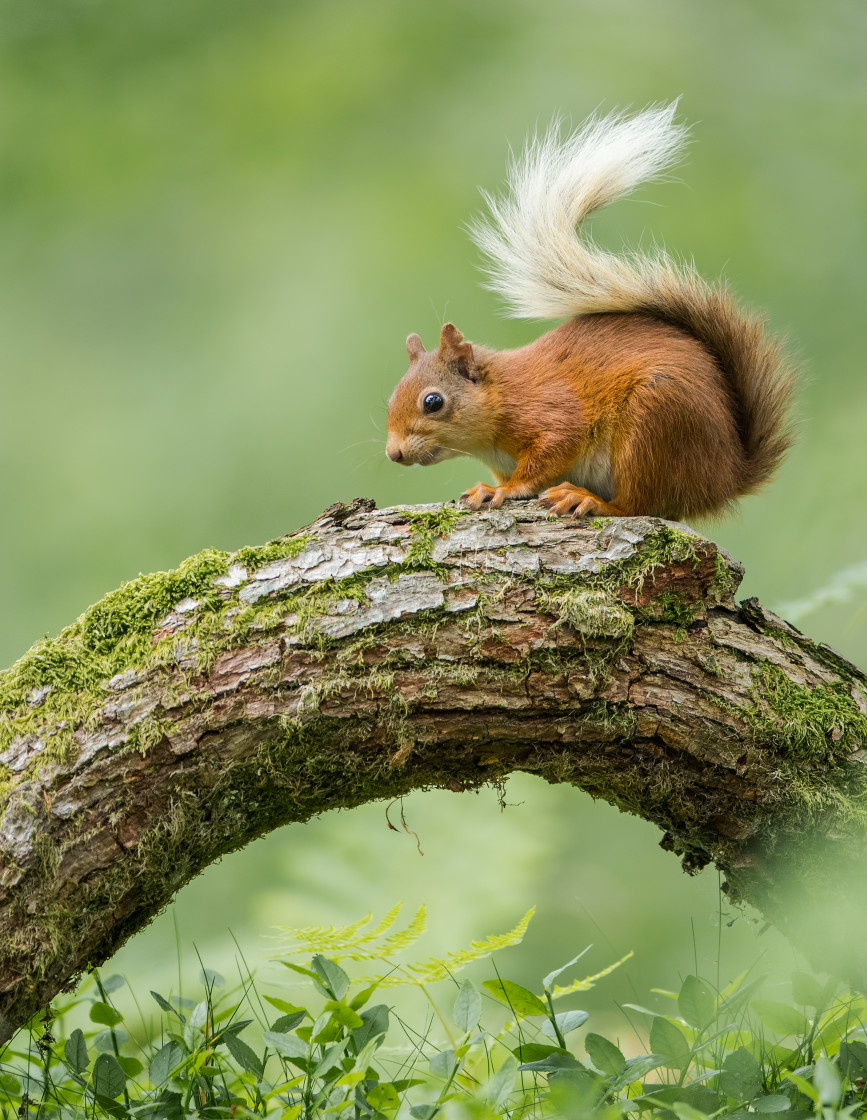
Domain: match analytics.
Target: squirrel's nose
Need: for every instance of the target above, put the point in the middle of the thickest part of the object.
(394, 451)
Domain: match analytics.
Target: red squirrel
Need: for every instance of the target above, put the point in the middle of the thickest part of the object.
(658, 396)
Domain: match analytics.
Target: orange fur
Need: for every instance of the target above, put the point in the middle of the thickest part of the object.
(676, 410)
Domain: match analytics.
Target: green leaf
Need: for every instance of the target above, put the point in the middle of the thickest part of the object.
(552, 1062)
(331, 976)
(106, 1040)
(535, 1051)
(281, 1005)
(167, 1058)
(109, 1079)
(113, 983)
(683, 1110)
(853, 1060)
(701, 1097)
(442, 1064)
(212, 979)
(636, 1068)
(779, 1017)
(288, 1022)
(132, 1067)
(343, 1014)
(375, 1025)
(827, 1082)
(301, 970)
(499, 1087)
(75, 1051)
(566, 1021)
(607, 1057)
(360, 999)
(383, 1096)
(522, 1002)
(774, 1102)
(803, 1085)
(246, 1058)
(838, 1020)
(166, 1006)
(696, 1002)
(104, 1013)
(331, 1058)
(287, 1045)
(741, 1077)
(10, 1084)
(468, 1007)
(668, 1039)
(806, 990)
(548, 982)
(642, 1010)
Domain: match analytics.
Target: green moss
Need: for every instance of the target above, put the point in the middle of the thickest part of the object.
(425, 529)
(147, 734)
(594, 612)
(805, 722)
(613, 719)
(60, 683)
(671, 607)
(47, 855)
(253, 558)
(121, 623)
(725, 581)
(662, 546)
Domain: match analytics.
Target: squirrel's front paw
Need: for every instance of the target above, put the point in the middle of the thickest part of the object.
(566, 498)
(478, 495)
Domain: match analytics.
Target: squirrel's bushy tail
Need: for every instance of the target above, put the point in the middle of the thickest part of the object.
(545, 269)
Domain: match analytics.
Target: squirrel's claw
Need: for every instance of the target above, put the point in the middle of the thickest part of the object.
(567, 499)
(481, 493)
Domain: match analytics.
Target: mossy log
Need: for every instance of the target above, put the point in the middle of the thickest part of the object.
(381, 651)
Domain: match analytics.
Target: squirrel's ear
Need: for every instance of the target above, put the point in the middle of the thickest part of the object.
(450, 338)
(458, 353)
(414, 347)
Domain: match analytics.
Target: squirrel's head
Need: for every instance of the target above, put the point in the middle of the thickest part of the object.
(437, 410)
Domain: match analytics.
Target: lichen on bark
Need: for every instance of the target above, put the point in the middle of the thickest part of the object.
(379, 651)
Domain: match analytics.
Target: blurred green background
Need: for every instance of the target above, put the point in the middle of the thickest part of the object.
(218, 223)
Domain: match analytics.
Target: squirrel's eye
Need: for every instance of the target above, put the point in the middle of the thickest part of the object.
(433, 402)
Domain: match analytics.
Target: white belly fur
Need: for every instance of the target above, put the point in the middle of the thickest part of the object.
(593, 473)
(498, 462)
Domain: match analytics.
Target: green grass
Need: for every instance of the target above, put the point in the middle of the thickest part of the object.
(469, 1050)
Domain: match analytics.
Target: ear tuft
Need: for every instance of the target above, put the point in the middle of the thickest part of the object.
(458, 353)
(414, 347)
(450, 337)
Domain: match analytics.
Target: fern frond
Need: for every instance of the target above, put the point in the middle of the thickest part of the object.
(354, 942)
(439, 968)
(407, 937)
(588, 981)
(386, 923)
(322, 939)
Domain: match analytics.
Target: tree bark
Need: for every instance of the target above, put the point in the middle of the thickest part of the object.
(381, 651)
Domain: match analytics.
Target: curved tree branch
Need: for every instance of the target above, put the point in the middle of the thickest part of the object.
(381, 651)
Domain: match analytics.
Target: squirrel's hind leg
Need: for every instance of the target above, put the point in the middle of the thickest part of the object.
(568, 499)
